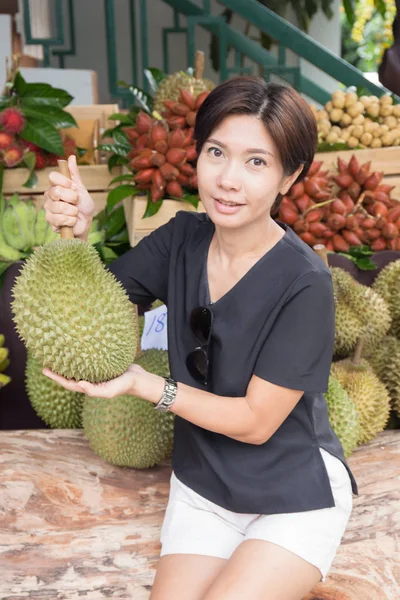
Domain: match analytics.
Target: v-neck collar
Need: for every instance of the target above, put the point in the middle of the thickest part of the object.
(247, 275)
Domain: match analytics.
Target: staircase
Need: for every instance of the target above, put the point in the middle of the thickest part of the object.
(189, 15)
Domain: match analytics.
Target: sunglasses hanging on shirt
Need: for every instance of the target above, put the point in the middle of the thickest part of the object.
(197, 362)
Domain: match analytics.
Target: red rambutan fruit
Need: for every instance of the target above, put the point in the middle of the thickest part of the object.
(12, 120)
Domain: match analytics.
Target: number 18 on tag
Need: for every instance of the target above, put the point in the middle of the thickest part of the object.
(155, 329)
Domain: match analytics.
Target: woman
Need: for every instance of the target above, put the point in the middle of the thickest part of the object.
(260, 491)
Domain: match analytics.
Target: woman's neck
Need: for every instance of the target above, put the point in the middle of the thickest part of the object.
(252, 241)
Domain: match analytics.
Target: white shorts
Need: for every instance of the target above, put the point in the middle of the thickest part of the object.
(194, 525)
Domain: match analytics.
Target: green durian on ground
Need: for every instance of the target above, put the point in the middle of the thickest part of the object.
(168, 88)
(360, 312)
(367, 392)
(385, 360)
(387, 284)
(73, 315)
(343, 416)
(127, 431)
(58, 407)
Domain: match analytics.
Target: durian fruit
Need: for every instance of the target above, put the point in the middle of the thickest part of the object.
(58, 407)
(169, 87)
(343, 416)
(385, 360)
(387, 284)
(73, 315)
(126, 430)
(360, 311)
(367, 392)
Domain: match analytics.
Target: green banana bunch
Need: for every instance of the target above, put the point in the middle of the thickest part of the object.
(18, 223)
(4, 362)
(43, 231)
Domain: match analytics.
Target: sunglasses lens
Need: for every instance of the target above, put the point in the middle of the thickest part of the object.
(200, 323)
(197, 364)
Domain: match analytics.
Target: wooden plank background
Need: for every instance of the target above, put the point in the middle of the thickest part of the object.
(73, 526)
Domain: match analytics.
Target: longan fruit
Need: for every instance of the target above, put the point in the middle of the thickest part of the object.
(359, 120)
(386, 99)
(350, 99)
(335, 115)
(390, 121)
(385, 110)
(355, 109)
(332, 137)
(357, 131)
(338, 99)
(352, 142)
(346, 120)
(376, 143)
(366, 138)
(373, 109)
(328, 106)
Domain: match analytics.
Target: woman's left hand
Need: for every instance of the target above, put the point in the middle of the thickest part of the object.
(127, 383)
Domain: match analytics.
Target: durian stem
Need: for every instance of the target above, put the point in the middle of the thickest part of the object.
(358, 351)
(318, 206)
(199, 64)
(322, 252)
(66, 232)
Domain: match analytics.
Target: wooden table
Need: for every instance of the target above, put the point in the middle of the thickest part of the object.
(72, 526)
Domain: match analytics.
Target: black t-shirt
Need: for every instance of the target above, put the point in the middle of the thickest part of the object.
(277, 322)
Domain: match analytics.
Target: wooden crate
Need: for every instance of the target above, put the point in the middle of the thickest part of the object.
(382, 159)
(138, 227)
(95, 177)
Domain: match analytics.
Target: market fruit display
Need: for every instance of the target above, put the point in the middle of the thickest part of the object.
(368, 393)
(343, 416)
(387, 284)
(359, 122)
(56, 406)
(360, 311)
(170, 88)
(385, 360)
(73, 315)
(163, 153)
(350, 208)
(126, 430)
(4, 362)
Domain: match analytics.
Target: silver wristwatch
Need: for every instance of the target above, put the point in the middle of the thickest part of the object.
(168, 397)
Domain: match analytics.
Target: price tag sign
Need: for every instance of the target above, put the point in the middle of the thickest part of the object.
(155, 329)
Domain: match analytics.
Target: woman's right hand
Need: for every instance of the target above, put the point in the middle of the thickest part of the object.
(67, 202)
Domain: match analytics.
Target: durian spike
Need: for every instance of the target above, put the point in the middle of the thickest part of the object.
(66, 232)
(199, 64)
(358, 351)
(322, 252)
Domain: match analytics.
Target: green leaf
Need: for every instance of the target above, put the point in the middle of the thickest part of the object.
(121, 139)
(115, 222)
(118, 194)
(193, 199)
(380, 6)
(151, 81)
(115, 149)
(152, 208)
(366, 264)
(43, 135)
(124, 177)
(349, 9)
(36, 94)
(19, 84)
(56, 116)
(112, 162)
(122, 237)
(30, 161)
(326, 147)
(360, 251)
(142, 98)
(120, 117)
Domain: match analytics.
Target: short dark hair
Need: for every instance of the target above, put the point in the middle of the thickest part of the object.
(284, 113)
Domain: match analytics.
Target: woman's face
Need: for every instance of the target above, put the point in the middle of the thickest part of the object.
(239, 172)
